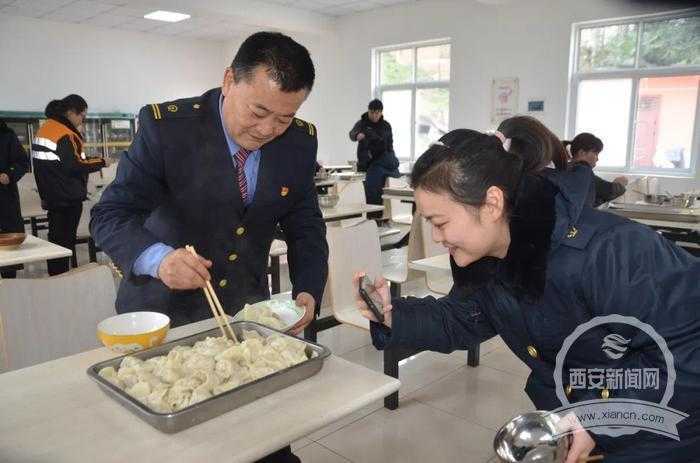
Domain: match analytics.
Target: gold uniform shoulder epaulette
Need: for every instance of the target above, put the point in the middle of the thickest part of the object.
(176, 109)
(304, 126)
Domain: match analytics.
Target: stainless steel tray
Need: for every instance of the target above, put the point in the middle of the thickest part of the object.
(218, 404)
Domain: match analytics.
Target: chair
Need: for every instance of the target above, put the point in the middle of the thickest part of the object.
(82, 235)
(48, 318)
(351, 249)
(30, 203)
(396, 268)
(394, 209)
(437, 282)
(351, 192)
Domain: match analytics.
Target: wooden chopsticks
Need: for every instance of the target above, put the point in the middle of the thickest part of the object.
(215, 305)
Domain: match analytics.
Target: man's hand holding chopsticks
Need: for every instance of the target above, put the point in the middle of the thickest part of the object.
(181, 270)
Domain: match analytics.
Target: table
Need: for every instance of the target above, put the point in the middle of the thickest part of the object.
(401, 194)
(348, 211)
(679, 225)
(350, 175)
(338, 167)
(325, 183)
(32, 250)
(687, 218)
(439, 263)
(54, 412)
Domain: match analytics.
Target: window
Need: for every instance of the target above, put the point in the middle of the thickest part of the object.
(634, 84)
(413, 82)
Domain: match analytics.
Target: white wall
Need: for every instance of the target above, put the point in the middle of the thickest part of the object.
(528, 39)
(116, 71)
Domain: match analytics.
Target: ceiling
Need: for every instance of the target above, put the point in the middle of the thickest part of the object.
(213, 20)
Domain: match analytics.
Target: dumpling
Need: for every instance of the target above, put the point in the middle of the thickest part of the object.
(140, 390)
(227, 386)
(199, 361)
(131, 362)
(255, 346)
(225, 367)
(167, 373)
(157, 399)
(238, 353)
(110, 374)
(178, 398)
(252, 334)
(199, 394)
(156, 362)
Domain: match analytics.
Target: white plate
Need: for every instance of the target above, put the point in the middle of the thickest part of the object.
(286, 310)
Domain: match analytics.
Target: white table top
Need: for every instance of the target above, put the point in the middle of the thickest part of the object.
(54, 412)
(347, 211)
(439, 263)
(353, 176)
(398, 191)
(32, 250)
(325, 182)
(338, 167)
(402, 194)
(665, 215)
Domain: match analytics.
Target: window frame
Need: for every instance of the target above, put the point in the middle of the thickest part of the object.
(377, 88)
(635, 74)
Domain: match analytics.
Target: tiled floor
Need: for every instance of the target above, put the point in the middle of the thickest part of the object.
(448, 411)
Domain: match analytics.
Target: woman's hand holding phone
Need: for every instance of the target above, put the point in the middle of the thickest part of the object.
(378, 292)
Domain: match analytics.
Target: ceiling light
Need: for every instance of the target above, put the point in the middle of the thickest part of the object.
(167, 16)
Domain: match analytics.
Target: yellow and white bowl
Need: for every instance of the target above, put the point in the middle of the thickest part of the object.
(133, 331)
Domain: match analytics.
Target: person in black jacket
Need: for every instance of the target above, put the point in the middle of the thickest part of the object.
(61, 170)
(585, 149)
(13, 165)
(375, 150)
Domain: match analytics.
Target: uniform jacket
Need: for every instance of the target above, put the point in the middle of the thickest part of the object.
(378, 143)
(14, 163)
(566, 264)
(60, 165)
(177, 185)
(601, 190)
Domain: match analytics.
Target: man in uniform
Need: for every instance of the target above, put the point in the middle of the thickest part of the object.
(220, 172)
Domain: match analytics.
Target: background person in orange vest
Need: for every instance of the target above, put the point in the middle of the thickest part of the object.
(61, 170)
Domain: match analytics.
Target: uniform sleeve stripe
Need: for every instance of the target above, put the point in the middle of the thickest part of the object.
(45, 142)
(45, 156)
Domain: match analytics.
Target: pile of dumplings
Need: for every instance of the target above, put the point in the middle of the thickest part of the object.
(188, 375)
(263, 315)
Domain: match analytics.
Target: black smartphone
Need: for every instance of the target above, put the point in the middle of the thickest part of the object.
(375, 306)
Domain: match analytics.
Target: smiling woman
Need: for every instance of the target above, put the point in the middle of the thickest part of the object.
(532, 262)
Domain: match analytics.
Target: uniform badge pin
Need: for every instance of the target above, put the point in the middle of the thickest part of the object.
(172, 108)
(284, 191)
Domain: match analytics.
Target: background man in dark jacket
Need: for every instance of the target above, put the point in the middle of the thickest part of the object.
(375, 150)
(585, 149)
(13, 165)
